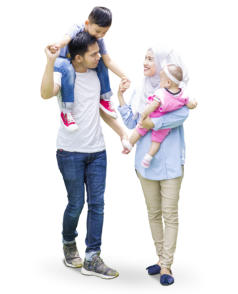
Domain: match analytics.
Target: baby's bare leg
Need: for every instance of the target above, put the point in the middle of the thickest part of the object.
(154, 148)
(135, 136)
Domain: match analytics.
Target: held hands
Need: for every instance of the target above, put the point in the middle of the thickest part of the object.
(125, 144)
(52, 54)
(54, 47)
(125, 84)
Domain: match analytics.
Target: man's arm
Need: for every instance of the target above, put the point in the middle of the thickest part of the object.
(114, 124)
(48, 87)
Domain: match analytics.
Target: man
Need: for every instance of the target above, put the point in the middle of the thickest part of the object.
(81, 154)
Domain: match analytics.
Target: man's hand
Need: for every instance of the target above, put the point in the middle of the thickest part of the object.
(54, 48)
(146, 123)
(51, 56)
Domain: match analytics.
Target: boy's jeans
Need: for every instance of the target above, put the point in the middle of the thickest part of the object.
(79, 169)
(64, 66)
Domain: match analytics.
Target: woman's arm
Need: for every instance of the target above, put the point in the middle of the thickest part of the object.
(171, 120)
(126, 112)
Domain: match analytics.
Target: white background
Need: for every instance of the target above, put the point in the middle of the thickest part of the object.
(33, 196)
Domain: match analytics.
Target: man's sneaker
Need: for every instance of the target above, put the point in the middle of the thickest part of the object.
(71, 255)
(107, 107)
(98, 268)
(68, 121)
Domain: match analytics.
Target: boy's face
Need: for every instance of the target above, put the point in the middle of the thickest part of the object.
(95, 30)
(91, 58)
(149, 64)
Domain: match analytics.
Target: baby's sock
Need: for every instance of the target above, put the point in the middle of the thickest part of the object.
(146, 160)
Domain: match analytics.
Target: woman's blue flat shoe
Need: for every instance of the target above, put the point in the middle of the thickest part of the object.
(166, 280)
(153, 269)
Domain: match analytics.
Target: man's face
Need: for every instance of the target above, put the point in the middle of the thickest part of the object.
(92, 56)
(95, 30)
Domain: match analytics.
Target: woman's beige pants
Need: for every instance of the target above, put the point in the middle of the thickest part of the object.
(161, 199)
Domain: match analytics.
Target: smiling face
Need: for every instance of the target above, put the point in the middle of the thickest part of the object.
(149, 64)
(95, 30)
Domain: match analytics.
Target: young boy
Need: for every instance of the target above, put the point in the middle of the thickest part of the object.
(97, 25)
(168, 98)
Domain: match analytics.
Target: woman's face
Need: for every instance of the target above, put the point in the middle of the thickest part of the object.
(149, 64)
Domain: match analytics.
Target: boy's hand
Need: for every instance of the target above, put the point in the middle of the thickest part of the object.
(121, 88)
(52, 56)
(125, 84)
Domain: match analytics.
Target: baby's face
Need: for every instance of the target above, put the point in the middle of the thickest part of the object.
(164, 80)
(149, 64)
(95, 30)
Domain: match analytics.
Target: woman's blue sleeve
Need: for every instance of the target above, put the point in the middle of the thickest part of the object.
(127, 116)
(171, 119)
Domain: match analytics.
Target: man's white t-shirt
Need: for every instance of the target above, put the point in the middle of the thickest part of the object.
(88, 138)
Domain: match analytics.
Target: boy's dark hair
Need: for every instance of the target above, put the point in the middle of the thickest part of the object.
(80, 43)
(101, 16)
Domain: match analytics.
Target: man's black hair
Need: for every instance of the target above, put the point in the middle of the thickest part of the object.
(80, 43)
(101, 16)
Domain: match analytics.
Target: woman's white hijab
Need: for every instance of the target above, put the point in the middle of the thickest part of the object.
(149, 85)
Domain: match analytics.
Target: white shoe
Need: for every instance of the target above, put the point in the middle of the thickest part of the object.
(68, 121)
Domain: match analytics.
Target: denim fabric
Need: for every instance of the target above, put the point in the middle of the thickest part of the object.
(64, 66)
(80, 170)
(102, 72)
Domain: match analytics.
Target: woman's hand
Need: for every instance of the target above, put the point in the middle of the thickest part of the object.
(123, 86)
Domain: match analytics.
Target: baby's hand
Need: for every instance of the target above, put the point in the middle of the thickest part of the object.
(192, 104)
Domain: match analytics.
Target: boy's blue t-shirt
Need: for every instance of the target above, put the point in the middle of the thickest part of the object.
(64, 52)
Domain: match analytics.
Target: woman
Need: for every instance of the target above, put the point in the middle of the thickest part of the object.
(162, 180)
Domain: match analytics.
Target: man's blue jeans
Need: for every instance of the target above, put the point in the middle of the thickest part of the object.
(80, 170)
(64, 66)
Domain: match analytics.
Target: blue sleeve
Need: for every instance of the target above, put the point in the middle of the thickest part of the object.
(171, 119)
(127, 116)
(72, 32)
(102, 47)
